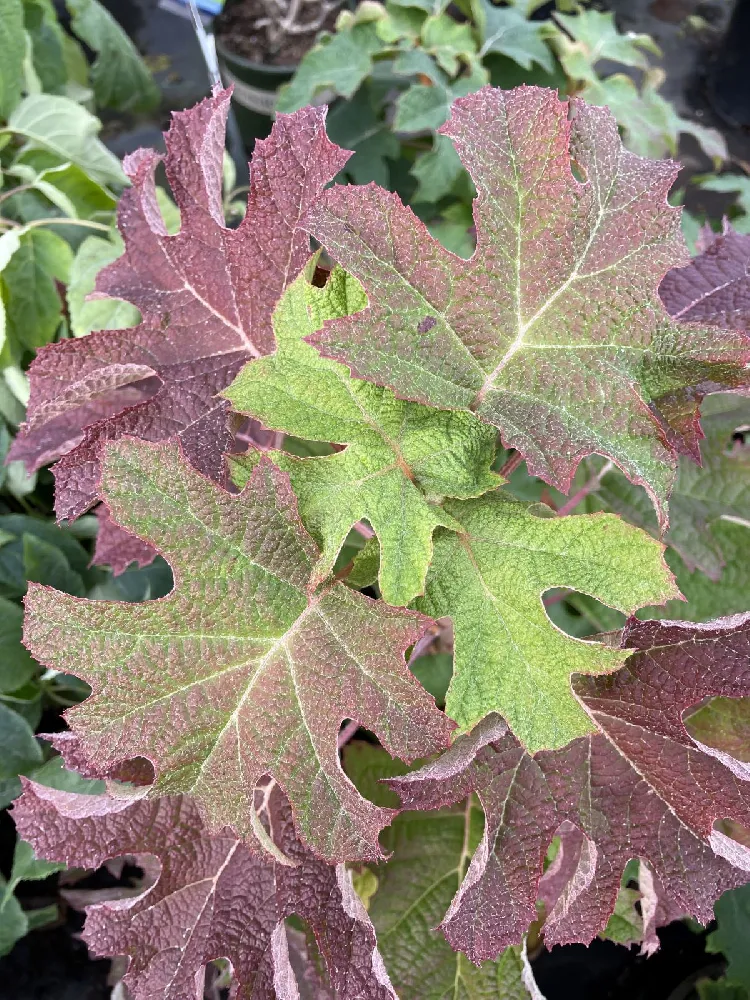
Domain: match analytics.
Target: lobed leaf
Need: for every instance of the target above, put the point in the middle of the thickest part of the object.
(208, 897)
(639, 788)
(553, 331)
(489, 576)
(428, 857)
(243, 669)
(401, 458)
(206, 295)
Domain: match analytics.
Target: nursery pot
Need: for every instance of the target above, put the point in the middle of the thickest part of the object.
(255, 91)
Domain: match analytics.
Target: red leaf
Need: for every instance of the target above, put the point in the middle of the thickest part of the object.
(553, 331)
(715, 286)
(641, 788)
(208, 896)
(118, 548)
(206, 295)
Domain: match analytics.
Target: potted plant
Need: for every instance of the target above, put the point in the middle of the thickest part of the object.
(259, 45)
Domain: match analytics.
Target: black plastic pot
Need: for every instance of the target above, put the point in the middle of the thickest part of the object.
(255, 91)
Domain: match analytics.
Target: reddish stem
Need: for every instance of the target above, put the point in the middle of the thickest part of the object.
(584, 491)
(511, 465)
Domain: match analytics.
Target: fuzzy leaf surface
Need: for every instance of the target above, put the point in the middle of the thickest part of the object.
(400, 455)
(489, 577)
(640, 788)
(208, 897)
(241, 670)
(206, 295)
(553, 331)
(430, 853)
(117, 548)
(714, 287)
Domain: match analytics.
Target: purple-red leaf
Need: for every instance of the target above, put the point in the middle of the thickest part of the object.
(714, 287)
(206, 295)
(208, 897)
(640, 788)
(116, 547)
(553, 331)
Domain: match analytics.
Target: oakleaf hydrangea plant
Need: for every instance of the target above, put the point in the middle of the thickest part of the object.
(399, 491)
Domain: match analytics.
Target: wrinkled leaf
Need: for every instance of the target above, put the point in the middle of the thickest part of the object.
(489, 577)
(242, 670)
(639, 788)
(206, 295)
(536, 333)
(209, 898)
(401, 457)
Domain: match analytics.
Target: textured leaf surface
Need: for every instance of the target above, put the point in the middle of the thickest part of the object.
(206, 295)
(241, 670)
(489, 577)
(639, 788)
(210, 898)
(429, 857)
(553, 331)
(401, 457)
(117, 548)
(715, 286)
(703, 494)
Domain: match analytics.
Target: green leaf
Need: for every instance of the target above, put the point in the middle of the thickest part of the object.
(437, 171)
(14, 529)
(739, 185)
(33, 305)
(19, 751)
(99, 314)
(650, 125)
(401, 457)
(490, 577)
(248, 671)
(339, 63)
(13, 922)
(358, 124)
(591, 35)
(46, 563)
(27, 868)
(54, 774)
(119, 76)
(83, 197)
(422, 108)
(451, 42)
(625, 926)
(12, 46)
(47, 45)
(721, 989)
(730, 937)
(65, 128)
(430, 856)
(507, 31)
(16, 663)
(434, 672)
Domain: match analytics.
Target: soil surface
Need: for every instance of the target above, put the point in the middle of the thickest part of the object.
(237, 28)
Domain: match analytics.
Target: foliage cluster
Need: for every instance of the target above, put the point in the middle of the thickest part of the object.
(401, 64)
(397, 492)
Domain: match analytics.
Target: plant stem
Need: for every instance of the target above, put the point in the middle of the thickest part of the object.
(511, 465)
(347, 733)
(584, 491)
(83, 223)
